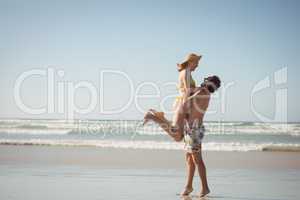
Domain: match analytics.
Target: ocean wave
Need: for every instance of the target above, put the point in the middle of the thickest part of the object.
(97, 143)
(126, 126)
(19, 131)
(137, 131)
(138, 144)
(28, 126)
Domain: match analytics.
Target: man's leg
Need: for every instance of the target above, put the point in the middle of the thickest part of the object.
(191, 170)
(197, 157)
(190, 174)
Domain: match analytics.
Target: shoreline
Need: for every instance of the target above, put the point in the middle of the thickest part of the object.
(43, 172)
(109, 157)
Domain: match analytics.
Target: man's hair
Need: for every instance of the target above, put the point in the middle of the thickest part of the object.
(213, 84)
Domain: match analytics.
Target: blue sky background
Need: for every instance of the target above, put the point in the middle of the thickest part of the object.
(241, 41)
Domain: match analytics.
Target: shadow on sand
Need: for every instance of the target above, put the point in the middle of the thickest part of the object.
(212, 197)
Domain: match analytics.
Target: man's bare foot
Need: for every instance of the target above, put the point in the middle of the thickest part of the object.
(186, 191)
(203, 193)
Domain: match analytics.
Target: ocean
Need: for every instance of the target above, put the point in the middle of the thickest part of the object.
(219, 136)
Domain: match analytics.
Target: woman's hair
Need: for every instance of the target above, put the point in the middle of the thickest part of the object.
(190, 57)
(212, 83)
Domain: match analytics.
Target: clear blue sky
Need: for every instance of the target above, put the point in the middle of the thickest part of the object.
(241, 41)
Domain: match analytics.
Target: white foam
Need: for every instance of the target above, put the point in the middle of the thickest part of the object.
(124, 127)
(138, 144)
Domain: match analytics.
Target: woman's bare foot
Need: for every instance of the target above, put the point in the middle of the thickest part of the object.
(203, 193)
(148, 116)
(159, 114)
(186, 191)
(152, 114)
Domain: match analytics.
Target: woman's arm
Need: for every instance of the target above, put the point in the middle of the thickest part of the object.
(197, 91)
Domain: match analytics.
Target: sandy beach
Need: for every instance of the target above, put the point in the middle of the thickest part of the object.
(101, 99)
(142, 158)
(42, 172)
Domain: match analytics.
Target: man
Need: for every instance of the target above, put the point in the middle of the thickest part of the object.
(191, 130)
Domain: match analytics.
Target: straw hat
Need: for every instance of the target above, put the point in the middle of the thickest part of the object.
(190, 57)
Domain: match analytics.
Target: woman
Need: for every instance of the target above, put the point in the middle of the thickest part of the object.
(186, 88)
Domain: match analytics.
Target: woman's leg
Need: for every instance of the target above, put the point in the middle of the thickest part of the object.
(174, 131)
(197, 157)
(181, 109)
(174, 128)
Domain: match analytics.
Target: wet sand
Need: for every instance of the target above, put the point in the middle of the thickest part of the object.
(143, 158)
(42, 172)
